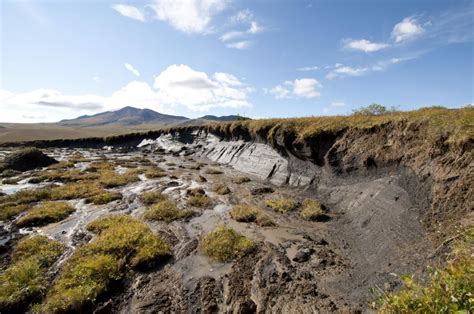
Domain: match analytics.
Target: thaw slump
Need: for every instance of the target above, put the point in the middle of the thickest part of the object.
(296, 266)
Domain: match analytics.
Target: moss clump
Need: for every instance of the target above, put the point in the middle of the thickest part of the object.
(9, 211)
(240, 179)
(24, 280)
(449, 289)
(104, 198)
(166, 211)
(121, 242)
(213, 171)
(283, 205)
(152, 197)
(45, 213)
(224, 244)
(221, 189)
(312, 210)
(201, 201)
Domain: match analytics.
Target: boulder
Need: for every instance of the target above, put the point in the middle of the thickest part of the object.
(27, 159)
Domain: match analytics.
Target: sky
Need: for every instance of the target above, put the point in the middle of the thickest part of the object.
(257, 58)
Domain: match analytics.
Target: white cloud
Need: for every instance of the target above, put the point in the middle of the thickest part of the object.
(129, 11)
(299, 88)
(364, 45)
(242, 16)
(241, 45)
(189, 16)
(232, 35)
(407, 29)
(176, 86)
(343, 71)
(310, 68)
(130, 67)
(97, 79)
(254, 28)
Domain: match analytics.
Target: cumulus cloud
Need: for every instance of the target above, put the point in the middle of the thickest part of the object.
(189, 16)
(129, 11)
(364, 45)
(130, 67)
(299, 88)
(407, 29)
(241, 45)
(177, 86)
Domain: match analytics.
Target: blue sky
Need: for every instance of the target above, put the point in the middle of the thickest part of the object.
(280, 58)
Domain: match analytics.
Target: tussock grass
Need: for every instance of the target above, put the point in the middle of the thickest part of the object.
(224, 244)
(110, 179)
(221, 189)
(63, 175)
(312, 210)
(449, 289)
(241, 179)
(167, 211)
(282, 205)
(152, 197)
(25, 278)
(155, 172)
(248, 213)
(201, 201)
(11, 210)
(121, 242)
(104, 197)
(45, 214)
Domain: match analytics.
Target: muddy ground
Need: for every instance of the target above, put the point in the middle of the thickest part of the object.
(372, 236)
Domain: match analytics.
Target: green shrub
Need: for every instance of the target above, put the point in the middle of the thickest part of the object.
(312, 210)
(45, 213)
(121, 242)
(283, 205)
(224, 244)
(240, 179)
(201, 201)
(166, 211)
(221, 189)
(25, 279)
(152, 197)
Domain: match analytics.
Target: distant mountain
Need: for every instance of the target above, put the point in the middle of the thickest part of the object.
(126, 116)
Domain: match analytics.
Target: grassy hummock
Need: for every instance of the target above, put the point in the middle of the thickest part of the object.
(312, 210)
(224, 244)
(24, 281)
(201, 201)
(247, 213)
(166, 211)
(152, 197)
(122, 242)
(45, 214)
(104, 197)
(283, 205)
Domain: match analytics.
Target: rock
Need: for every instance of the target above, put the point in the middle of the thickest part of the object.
(303, 255)
(27, 159)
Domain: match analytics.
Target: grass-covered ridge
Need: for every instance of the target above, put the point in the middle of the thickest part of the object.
(122, 242)
(24, 280)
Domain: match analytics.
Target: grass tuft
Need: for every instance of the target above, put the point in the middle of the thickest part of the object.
(224, 244)
(152, 197)
(283, 205)
(221, 189)
(247, 213)
(167, 211)
(201, 201)
(104, 197)
(240, 179)
(312, 210)
(45, 214)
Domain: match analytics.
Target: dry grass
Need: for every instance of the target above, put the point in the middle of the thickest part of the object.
(312, 210)
(155, 172)
(240, 179)
(11, 210)
(213, 171)
(104, 197)
(221, 189)
(201, 201)
(45, 214)
(248, 213)
(110, 179)
(152, 197)
(224, 244)
(282, 205)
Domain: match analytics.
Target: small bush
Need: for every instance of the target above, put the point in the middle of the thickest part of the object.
(24, 280)
(45, 213)
(244, 213)
(241, 179)
(221, 189)
(152, 197)
(121, 242)
(312, 210)
(166, 211)
(224, 244)
(104, 197)
(283, 205)
(213, 171)
(201, 201)
(374, 110)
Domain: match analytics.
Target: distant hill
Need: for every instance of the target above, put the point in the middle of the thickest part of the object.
(126, 116)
